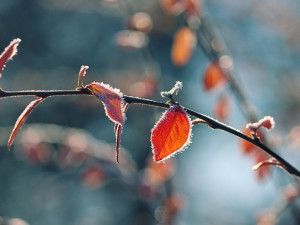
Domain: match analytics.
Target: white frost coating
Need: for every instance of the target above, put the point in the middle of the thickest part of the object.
(83, 70)
(14, 43)
(174, 91)
(186, 144)
(260, 123)
(6, 56)
(104, 99)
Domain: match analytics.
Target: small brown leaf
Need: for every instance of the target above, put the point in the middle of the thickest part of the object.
(22, 118)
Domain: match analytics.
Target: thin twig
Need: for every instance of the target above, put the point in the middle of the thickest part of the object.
(215, 124)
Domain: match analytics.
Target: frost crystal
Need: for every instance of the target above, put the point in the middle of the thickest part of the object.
(174, 91)
(266, 122)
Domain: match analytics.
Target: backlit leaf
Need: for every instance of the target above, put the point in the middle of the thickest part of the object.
(8, 53)
(171, 134)
(221, 109)
(112, 100)
(213, 77)
(22, 118)
(183, 46)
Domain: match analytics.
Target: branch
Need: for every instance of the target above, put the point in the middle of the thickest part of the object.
(215, 124)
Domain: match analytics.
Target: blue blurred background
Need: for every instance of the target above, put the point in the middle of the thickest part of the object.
(49, 178)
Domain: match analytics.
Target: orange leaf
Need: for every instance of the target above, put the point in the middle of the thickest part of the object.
(213, 77)
(246, 146)
(112, 100)
(22, 118)
(8, 53)
(221, 109)
(183, 46)
(173, 7)
(171, 134)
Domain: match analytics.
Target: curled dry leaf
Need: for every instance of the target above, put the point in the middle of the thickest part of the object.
(214, 77)
(222, 107)
(22, 118)
(81, 74)
(183, 46)
(118, 132)
(112, 100)
(268, 162)
(8, 53)
(171, 134)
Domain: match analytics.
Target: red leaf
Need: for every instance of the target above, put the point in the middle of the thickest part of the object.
(22, 118)
(213, 77)
(221, 109)
(112, 100)
(171, 134)
(183, 46)
(8, 53)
